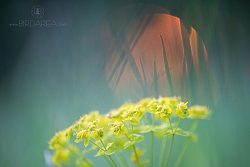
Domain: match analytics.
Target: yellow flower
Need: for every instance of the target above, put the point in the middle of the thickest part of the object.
(92, 125)
(61, 156)
(83, 135)
(138, 155)
(153, 105)
(94, 115)
(60, 139)
(182, 110)
(172, 102)
(114, 114)
(198, 112)
(98, 134)
(118, 128)
(122, 129)
(144, 103)
(133, 114)
(163, 112)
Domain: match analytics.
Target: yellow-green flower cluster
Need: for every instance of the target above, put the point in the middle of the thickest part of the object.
(121, 128)
(199, 112)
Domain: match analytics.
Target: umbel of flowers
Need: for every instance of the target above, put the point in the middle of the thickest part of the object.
(120, 131)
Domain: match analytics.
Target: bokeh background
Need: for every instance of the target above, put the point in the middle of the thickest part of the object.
(50, 76)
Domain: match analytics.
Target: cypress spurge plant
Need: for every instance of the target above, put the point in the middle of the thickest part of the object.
(121, 131)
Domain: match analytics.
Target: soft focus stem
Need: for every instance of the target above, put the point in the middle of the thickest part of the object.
(111, 164)
(181, 155)
(136, 155)
(122, 160)
(163, 150)
(172, 141)
(109, 156)
(152, 144)
(169, 151)
(152, 149)
(111, 159)
(85, 160)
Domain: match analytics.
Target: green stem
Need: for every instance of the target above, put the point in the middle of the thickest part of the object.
(103, 145)
(122, 160)
(152, 148)
(108, 161)
(85, 160)
(171, 125)
(152, 143)
(171, 144)
(109, 156)
(181, 155)
(136, 155)
(163, 150)
(169, 151)
(111, 159)
(177, 125)
(102, 150)
(96, 145)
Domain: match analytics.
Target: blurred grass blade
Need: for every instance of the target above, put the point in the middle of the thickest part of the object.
(144, 77)
(135, 69)
(166, 67)
(121, 72)
(123, 58)
(190, 64)
(155, 82)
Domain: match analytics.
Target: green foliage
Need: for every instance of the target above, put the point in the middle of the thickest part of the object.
(122, 129)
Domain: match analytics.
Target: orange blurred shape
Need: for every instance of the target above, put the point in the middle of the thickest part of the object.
(138, 68)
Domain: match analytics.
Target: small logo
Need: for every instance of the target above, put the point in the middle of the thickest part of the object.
(37, 11)
(37, 20)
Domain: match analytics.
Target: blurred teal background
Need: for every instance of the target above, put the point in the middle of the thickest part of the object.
(49, 77)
